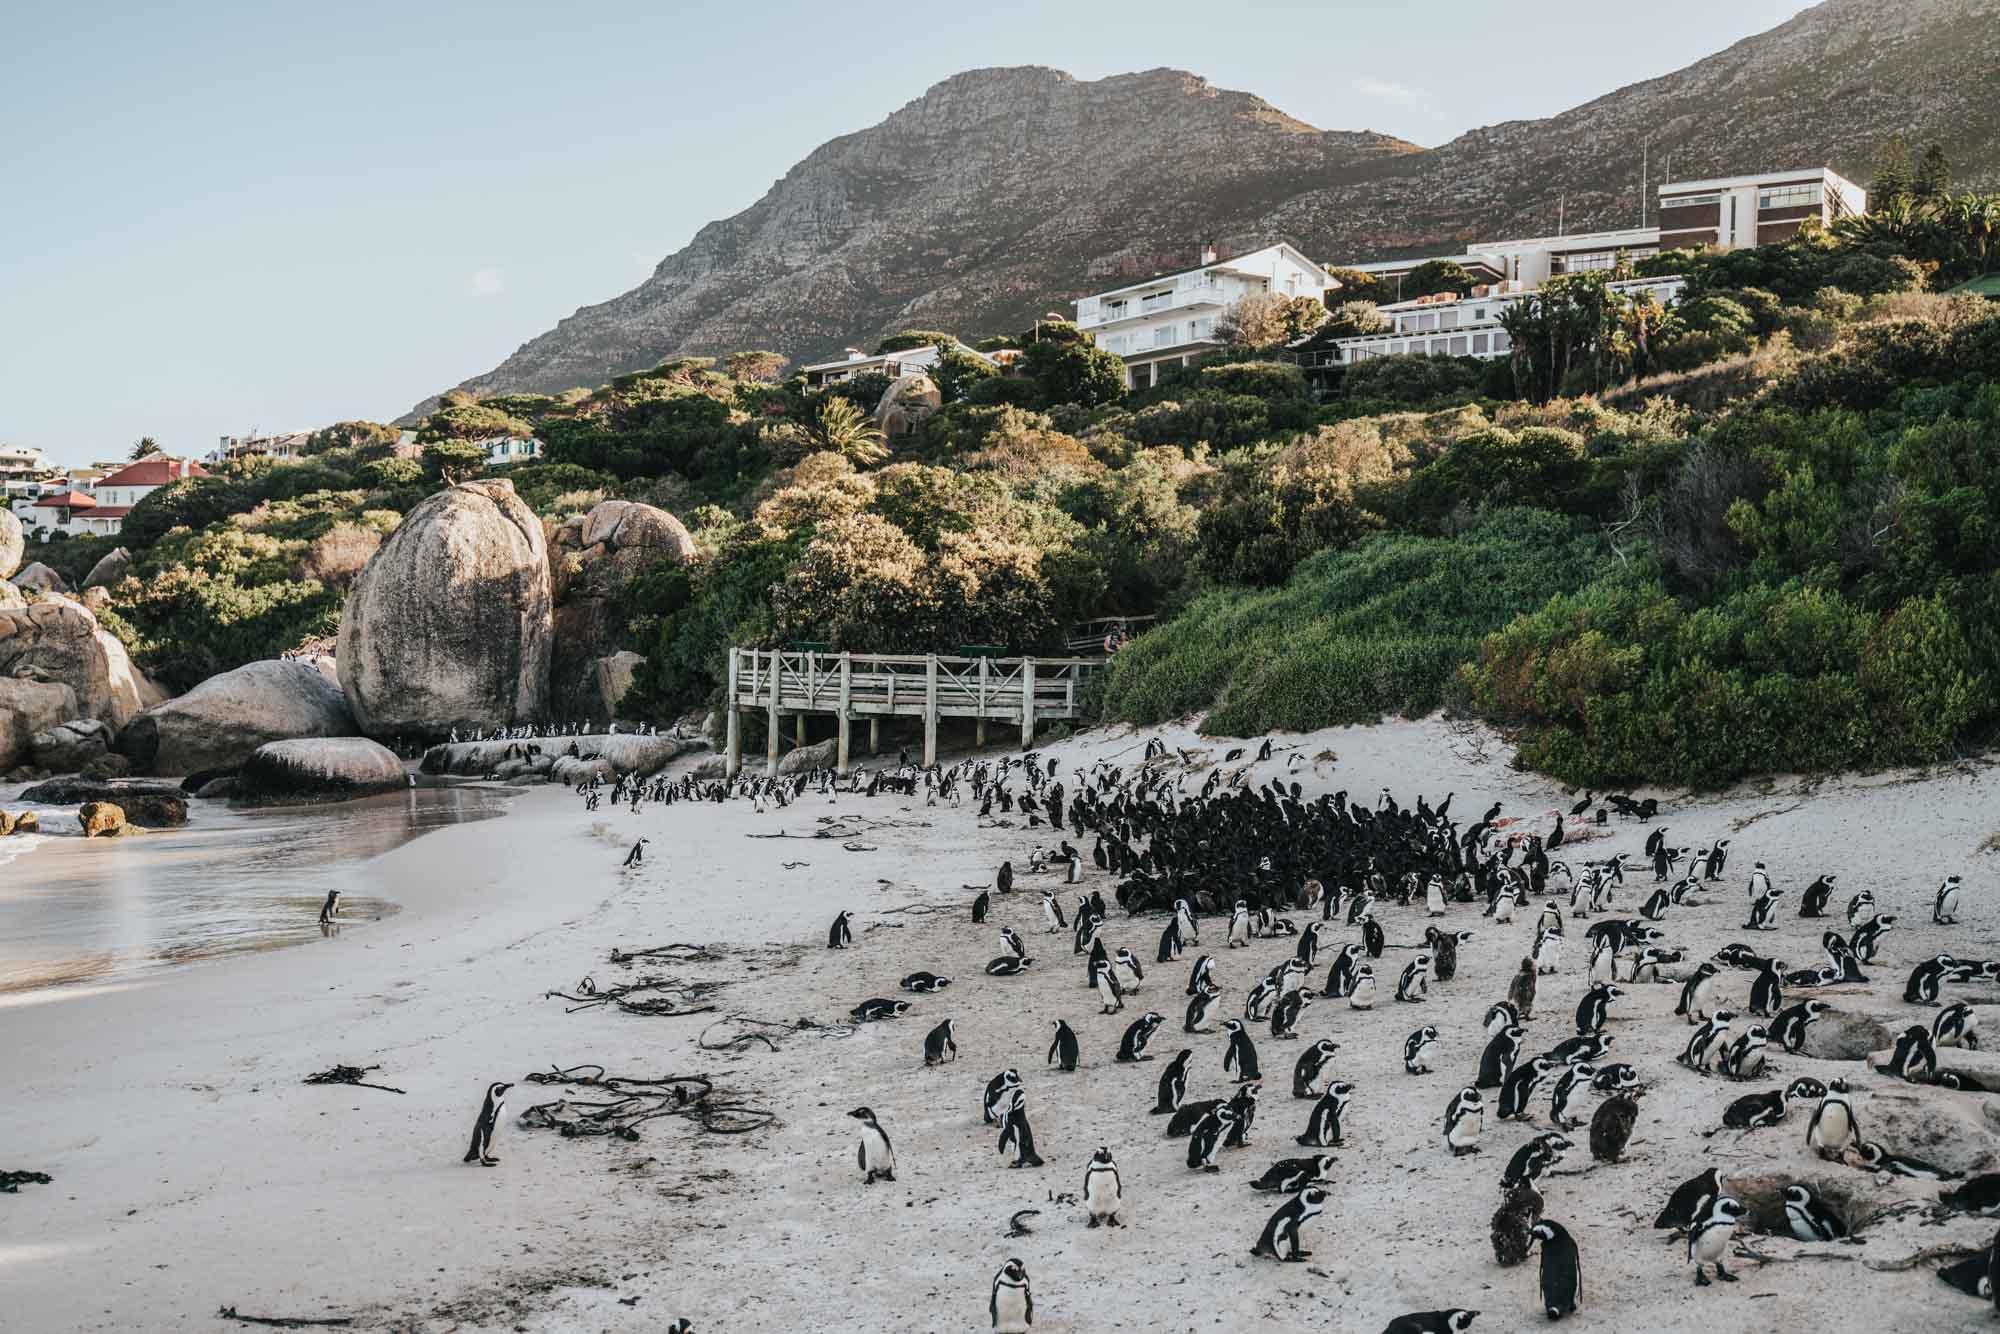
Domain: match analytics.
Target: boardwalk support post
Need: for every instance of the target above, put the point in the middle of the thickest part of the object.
(771, 731)
(1027, 703)
(930, 710)
(846, 687)
(733, 748)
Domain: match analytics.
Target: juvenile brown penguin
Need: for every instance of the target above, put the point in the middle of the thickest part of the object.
(1522, 992)
(1519, 1212)
(1611, 1127)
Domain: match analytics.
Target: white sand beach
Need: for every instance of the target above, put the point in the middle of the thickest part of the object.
(194, 1171)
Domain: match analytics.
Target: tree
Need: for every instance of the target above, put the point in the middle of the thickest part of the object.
(1358, 286)
(838, 427)
(909, 338)
(372, 439)
(1255, 320)
(1891, 176)
(1075, 372)
(449, 460)
(1353, 319)
(1300, 315)
(757, 366)
(1437, 275)
(143, 446)
(1933, 179)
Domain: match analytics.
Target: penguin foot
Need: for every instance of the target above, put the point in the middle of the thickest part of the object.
(488, 1161)
(1700, 1279)
(1093, 1221)
(1724, 1274)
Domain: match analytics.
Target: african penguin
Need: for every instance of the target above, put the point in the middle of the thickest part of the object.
(495, 1102)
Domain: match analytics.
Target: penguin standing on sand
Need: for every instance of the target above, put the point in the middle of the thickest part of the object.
(1927, 980)
(1706, 1041)
(1464, 1119)
(1503, 1049)
(1767, 993)
(1956, 1025)
(1063, 1049)
(1944, 909)
(1573, 1076)
(1414, 985)
(1012, 1305)
(1813, 904)
(1103, 1192)
(481, 1151)
(1173, 1083)
(875, 1157)
(637, 855)
(1282, 1229)
(1372, 937)
(1761, 909)
(1198, 976)
(1562, 1269)
(1695, 993)
(1052, 913)
(1611, 1127)
(1312, 1063)
(1833, 1126)
(1015, 1133)
(980, 907)
(1004, 880)
(1521, 992)
(330, 909)
(1132, 1047)
(1708, 1240)
(1518, 1093)
(939, 1045)
(1690, 1201)
(1323, 1125)
(1285, 1014)
(1109, 994)
(1593, 1008)
(841, 934)
(996, 1095)
(1207, 1136)
(1241, 1058)
(1199, 1009)
(1361, 996)
(1420, 1050)
(1340, 976)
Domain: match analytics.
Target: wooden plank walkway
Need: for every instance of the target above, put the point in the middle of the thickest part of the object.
(1022, 691)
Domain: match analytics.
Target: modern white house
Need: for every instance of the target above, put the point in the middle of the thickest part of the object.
(285, 445)
(896, 365)
(1449, 326)
(1169, 320)
(1727, 213)
(20, 463)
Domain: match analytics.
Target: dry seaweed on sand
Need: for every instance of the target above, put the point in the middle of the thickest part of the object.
(283, 1321)
(677, 952)
(351, 1075)
(11, 1182)
(751, 1029)
(631, 1101)
(648, 996)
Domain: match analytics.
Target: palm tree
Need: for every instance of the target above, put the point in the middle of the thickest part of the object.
(839, 427)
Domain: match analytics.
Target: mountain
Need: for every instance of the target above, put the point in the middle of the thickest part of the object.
(1002, 193)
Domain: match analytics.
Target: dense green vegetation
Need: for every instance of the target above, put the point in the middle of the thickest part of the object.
(1751, 532)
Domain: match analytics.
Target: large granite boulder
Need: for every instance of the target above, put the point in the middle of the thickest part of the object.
(26, 708)
(819, 755)
(449, 624)
(907, 403)
(39, 578)
(101, 819)
(68, 747)
(113, 566)
(591, 558)
(58, 640)
(218, 723)
(612, 677)
(606, 755)
(319, 769)
(13, 543)
(10, 597)
(148, 805)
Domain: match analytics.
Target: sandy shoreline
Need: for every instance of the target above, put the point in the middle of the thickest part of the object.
(193, 1170)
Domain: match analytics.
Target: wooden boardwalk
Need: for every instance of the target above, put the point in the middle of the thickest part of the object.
(777, 682)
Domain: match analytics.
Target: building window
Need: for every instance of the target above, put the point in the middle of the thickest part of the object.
(1596, 262)
(1166, 335)
(1201, 328)
(1790, 196)
(1458, 346)
(1426, 323)
(1478, 344)
(1693, 201)
(1501, 342)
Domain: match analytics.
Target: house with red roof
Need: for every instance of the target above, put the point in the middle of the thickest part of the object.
(100, 510)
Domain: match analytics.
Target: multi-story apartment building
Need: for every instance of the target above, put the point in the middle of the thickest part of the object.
(1169, 320)
(1450, 326)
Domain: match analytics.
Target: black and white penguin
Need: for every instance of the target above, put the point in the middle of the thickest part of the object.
(1761, 911)
(1207, 1137)
(1285, 1014)
(1063, 1048)
(1592, 1010)
(1262, 996)
(875, 1157)
(1130, 975)
(1529, 1162)
(1103, 1191)
(1291, 1175)
(1582, 1047)
(1340, 976)
(1008, 965)
(1833, 1126)
(637, 856)
(1767, 992)
(1414, 986)
(1109, 994)
(1184, 915)
(1956, 1025)
(981, 906)
(841, 934)
(1695, 993)
(1562, 1269)
(1981, 1196)
(1239, 925)
(1361, 996)
(1464, 1120)
(1132, 1047)
(1755, 1110)
(1518, 1093)
(1372, 938)
(1690, 1201)
(1012, 1304)
(1199, 1009)
(1813, 902)
(1654, 909)
(329, 910)
(940, 1045)
(1867, 938)
(1052, 913)
(1809, 1217)
(1927, 980)
(1420, 1050)
(1454, 1321)
(924, 983)
(1016, 1133)
(1003, 880)
(1171, 944)
(878, 1008)
(1744, 1057)
(1788, 1030)
(1312, 1063)
(488, 1121)
(1497, 1062)
(1241, 1058)
(1323, 1125)
(1914, 1057)
(1282, 1229)
(1199, 975)
(1705, 1043)
(1611, 1127)
(1944, 908)
(996, 1095)
(1568, 1083)
(1709, 1236)
(1173, 1084)
(1615, 1078)
(1011, 938)
(1499, 1016)
(1875, 1158)
(1860, 908)
(1307, 952)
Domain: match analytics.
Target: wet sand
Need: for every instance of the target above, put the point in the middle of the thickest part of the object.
(193, 1170)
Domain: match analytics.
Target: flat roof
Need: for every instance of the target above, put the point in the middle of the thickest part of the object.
(1225, 265)
(1724, 182)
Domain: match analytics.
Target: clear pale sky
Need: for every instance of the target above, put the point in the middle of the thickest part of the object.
(227, 216)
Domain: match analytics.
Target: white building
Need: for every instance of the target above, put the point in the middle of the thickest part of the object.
(896, 365)
(285, 445)
(87, 504)
(1170, 320)
(20, 463)
(504, 451)
(1448, 326)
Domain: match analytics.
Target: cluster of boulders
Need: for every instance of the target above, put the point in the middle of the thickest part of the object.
(470, 618)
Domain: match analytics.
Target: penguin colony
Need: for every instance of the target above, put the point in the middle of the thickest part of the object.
(1317, 894)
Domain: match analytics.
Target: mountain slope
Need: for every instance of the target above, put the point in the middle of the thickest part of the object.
(1002, 193)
